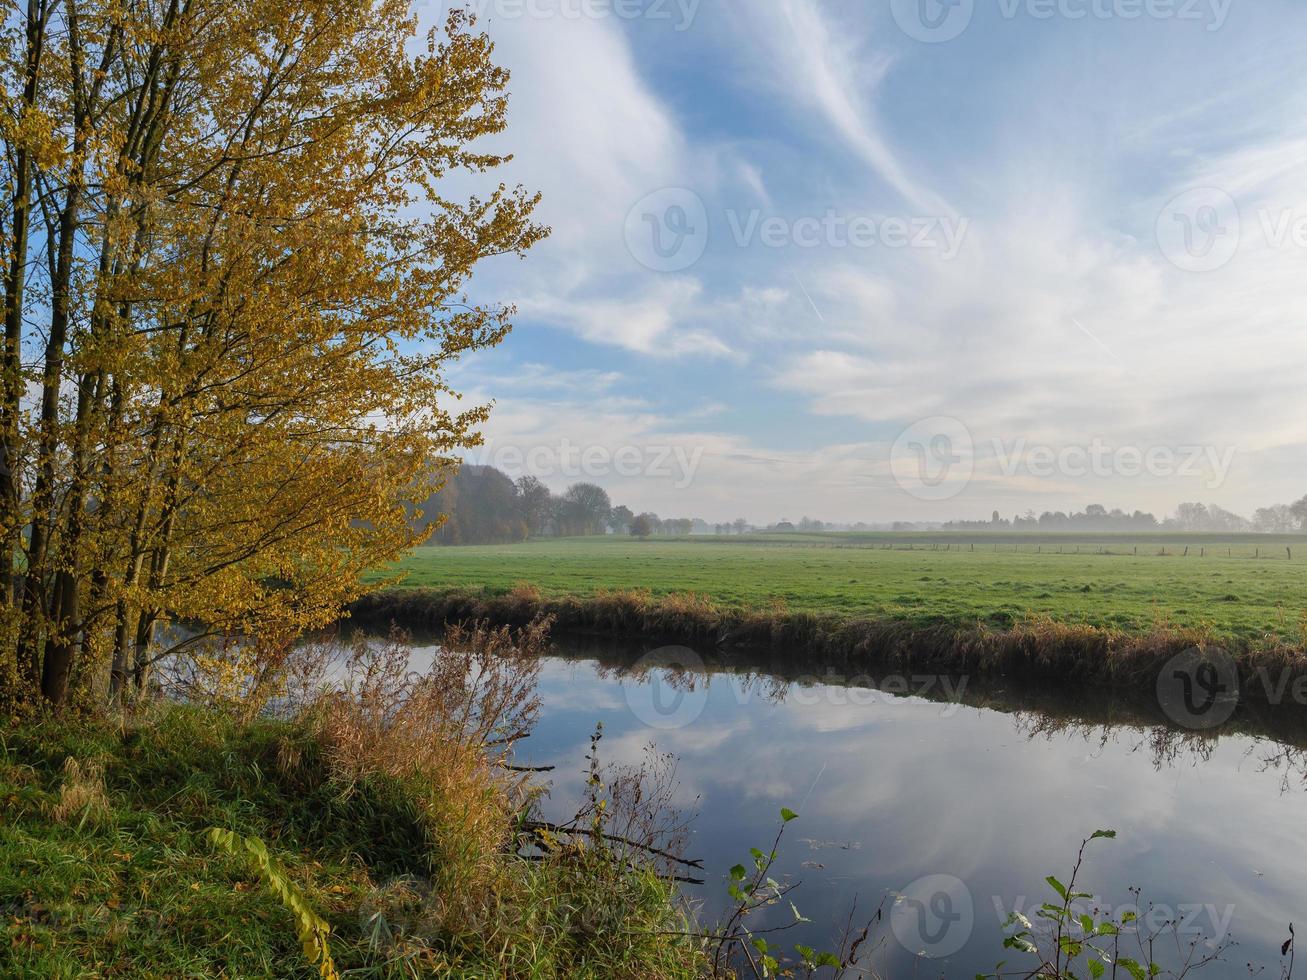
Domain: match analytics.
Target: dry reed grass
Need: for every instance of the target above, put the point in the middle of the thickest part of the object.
(82, 797)
(439, 738)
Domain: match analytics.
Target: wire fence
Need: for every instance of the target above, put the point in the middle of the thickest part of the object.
(1268, 552)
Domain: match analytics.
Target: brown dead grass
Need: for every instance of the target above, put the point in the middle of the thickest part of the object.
(441, 738)
(82, 797)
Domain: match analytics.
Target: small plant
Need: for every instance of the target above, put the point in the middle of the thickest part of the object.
(1071, 944)
(309, 926)
(739, 948)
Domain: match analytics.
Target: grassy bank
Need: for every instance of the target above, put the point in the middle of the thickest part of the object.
(106, 869)
(1035, 648)
(1242, 589)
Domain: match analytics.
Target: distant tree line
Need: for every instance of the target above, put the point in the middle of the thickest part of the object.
(1211, 518)
(483, 505)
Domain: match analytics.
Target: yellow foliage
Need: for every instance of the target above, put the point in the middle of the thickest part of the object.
(254, 285)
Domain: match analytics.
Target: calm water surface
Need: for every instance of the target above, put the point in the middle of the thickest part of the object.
(965, 807)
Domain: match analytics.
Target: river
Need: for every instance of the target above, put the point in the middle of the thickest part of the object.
(949, 801)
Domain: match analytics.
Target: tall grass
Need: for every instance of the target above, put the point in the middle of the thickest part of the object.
(384, 806)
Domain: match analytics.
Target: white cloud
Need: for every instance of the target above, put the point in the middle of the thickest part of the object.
(822, 70)
(1059, 321)
(588, 132)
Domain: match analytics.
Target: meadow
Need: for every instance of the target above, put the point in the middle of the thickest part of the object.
(1252, 587)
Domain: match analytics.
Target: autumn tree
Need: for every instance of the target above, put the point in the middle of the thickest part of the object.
(233, 278)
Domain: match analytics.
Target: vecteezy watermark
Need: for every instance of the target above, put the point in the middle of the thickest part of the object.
(676, 689)
(1199, 230)
(863, 691)
(679, 13)
(1211, 463)
(1203, 229)
(400, 910)
(1199, 688)
(933, 916)
(566, 459)
(668, 230)
(935, 21)
(1205, 922)
(933, 459)
(936, 458)
(834, 229)
(667, 688)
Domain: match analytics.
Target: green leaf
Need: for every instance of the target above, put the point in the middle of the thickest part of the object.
(1096, 969)
(738, 872)
(1103, 834)
(1057, 886)
(1133, 968)
(787, 814)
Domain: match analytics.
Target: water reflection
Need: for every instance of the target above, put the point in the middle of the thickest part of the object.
(983, 782)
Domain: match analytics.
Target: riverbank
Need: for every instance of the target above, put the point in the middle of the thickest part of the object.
(108, 867)
(1231, 589)
(1035, 648)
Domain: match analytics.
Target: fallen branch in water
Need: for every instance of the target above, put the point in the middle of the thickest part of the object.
(537, 826)
(680, 878)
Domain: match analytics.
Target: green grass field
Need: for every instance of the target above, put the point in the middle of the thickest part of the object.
(1244, 586)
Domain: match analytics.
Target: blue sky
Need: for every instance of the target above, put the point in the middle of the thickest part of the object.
(885, 260)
